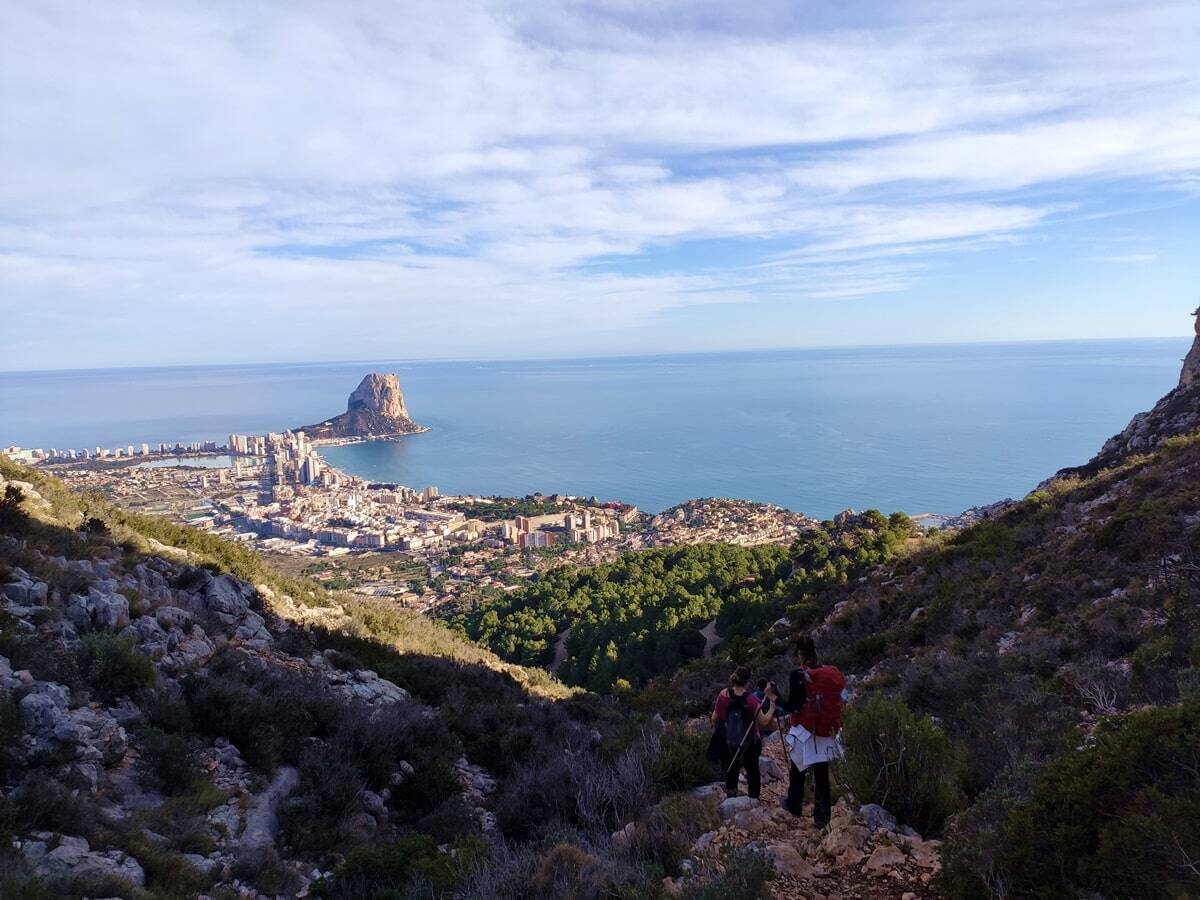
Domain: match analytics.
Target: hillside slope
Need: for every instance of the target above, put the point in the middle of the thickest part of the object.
(177, 720)
(1045, 667)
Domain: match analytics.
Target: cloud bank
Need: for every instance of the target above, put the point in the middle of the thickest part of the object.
(228, 181)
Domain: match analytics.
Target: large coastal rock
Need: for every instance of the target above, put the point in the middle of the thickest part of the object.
(1176, 413)
(1191, 362)
(375, 409)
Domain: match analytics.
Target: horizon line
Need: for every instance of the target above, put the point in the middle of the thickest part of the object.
(596, 357)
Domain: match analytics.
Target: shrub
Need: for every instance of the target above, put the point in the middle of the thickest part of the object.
(42, 804)
(747, 872)
(394, 869)
(13, 518)
(901, 761)
(113, 667)
(1124, 812)
(10, 732)
(166, 756)
(451, 819)
(681, 763)
(267, 871)
(168, 874)
(564, 867)
(665, 834)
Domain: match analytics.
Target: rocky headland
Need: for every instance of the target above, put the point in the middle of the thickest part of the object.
(376, 409)
(1176, 413)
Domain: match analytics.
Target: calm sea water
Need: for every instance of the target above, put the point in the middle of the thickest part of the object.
(922, 429)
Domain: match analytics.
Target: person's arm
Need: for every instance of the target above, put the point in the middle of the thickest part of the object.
(766, 714)
(718, 713)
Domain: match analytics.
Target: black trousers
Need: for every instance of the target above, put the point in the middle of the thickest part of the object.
(747, 761)
(822, 805)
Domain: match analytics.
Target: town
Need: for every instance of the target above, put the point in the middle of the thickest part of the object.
(414, 547)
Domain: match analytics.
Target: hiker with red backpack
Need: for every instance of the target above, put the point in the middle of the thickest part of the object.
(739, 718)
(814, 707)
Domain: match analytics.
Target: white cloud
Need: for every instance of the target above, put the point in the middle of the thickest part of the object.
(362, 168)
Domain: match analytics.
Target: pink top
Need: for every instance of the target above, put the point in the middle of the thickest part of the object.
(752, 704)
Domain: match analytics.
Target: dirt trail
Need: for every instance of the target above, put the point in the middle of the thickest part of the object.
(712, 640)
(560, 650)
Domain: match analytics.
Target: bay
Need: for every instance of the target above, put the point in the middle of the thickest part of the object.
(922, 429)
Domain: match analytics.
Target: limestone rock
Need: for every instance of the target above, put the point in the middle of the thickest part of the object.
(885, 858)
(703, 842)
(1191, 363)
(731, 806)
(846, 845)
(877, 818)
(1176, 413)
(72, 857)
(789, 861)
(98, 609)
(376, 408)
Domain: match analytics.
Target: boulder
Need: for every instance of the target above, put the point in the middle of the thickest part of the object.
(789, 861)
(44, 710)
(72, 857)
(187, 651)
(252, 627)
(69, 852)
(884, 859)
(227, 598)
(877, 818)
(731, 806)
(846, 845)
(98, 609)
(703, 842)
(103, 733)
(705, 791)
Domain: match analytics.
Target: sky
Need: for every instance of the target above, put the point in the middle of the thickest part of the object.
(217, 182)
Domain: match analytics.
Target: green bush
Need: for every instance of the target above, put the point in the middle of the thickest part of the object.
(113, 667)
(1120, 817)
(665, 834)
(10, 731)
(168, 873)
(901, 761)
(680, 763)
(412, 863)
(166, 756)
(746, 875)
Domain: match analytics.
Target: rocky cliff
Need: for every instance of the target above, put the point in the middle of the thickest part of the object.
(1176, 413)
(376, 409)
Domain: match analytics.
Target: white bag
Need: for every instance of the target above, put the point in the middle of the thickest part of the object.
(807, 749)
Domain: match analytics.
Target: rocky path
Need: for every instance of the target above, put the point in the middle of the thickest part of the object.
(864, 855)
(560, 651)
(262, 820)
(712, 640)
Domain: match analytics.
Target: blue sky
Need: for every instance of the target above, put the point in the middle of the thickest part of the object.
(229, 182)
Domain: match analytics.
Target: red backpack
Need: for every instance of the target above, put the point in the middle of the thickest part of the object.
(822, 711)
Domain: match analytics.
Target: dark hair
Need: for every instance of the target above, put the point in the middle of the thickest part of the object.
(806, 649)
(740, 677)
(762, 684)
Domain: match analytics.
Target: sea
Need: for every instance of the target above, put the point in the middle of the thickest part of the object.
(923, 429)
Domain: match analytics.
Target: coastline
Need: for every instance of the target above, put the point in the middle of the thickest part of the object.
(365, 439)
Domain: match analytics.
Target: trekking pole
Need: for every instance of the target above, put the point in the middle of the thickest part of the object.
(787, 760)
